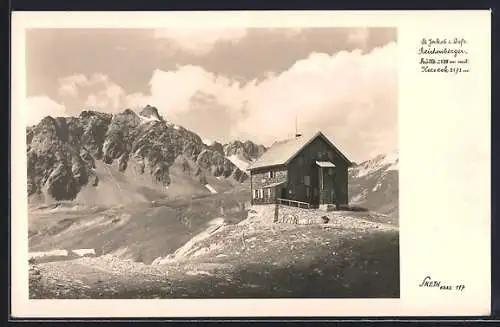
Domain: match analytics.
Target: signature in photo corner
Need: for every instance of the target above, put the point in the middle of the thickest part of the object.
(428, 282)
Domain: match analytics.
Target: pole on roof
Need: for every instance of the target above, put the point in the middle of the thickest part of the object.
(297, 134)
(296, 125)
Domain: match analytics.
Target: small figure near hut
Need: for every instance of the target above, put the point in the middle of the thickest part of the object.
(306, 172)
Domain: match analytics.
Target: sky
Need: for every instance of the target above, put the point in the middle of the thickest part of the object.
(226, 84)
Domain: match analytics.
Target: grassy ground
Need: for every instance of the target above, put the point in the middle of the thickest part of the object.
(141, 231)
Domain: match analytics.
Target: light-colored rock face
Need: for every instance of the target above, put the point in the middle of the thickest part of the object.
(150, 113)
(241, 154)
(374, 184)
(282, 214)
(62, 152)
(246, 151)
(261, 214)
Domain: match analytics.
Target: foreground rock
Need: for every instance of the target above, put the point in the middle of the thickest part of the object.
(355, 260)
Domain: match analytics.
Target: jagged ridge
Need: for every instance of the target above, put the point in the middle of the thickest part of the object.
(246, 150)
(62, 152)
(242, 153)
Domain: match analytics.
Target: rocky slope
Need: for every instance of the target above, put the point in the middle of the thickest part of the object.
(373, 184)
(68, 155)
(243, 153)
(347, 257)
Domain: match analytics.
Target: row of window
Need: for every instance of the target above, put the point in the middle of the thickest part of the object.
(259, 193)
(307, 179)
(271, 174)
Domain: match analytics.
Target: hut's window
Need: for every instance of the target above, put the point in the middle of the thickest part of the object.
(307, 180)
(268, 192)
(330, 155)
(258, 194)
(330, 171)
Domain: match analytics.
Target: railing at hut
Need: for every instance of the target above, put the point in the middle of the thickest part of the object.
(293, 203)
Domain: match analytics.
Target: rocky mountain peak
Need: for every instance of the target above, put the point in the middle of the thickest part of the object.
(92, 113)
(217, 147)
(151, 113)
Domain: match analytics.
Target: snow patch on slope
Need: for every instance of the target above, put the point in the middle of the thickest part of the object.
(238, 162)
(84, 252)
(208, 142)
(210, 188)
(359, 197)
(388, 161)
(145, 120)
(55, 253)
(191, 247)
(391, 159)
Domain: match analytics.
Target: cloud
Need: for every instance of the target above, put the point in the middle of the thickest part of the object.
(351, 96)
(110, 98)
(40, 107)
(200, 41)
(173, 91)
(68, 86)
(97, 90)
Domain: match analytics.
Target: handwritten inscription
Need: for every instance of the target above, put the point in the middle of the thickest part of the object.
(443, 55)
(430, 283)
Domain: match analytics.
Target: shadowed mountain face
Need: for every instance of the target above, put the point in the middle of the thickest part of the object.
(66, 155)
(373, 184)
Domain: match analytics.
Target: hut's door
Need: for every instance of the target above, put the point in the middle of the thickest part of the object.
(322, 183)
(326, 185)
